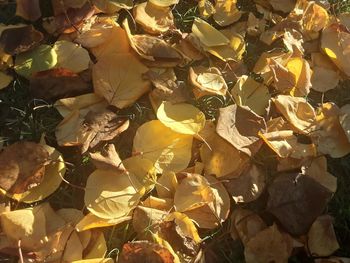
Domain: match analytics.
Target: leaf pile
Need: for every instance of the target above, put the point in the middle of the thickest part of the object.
(188, 174)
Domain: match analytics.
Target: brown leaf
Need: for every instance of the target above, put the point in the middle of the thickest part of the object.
(322, 241)
(20, 39)
(240, 126)
(68, 21)
(100, 126)
(56, 84)
(269, 245)
(22, 166)
(245, 224)
(28, 9)
(248, 186)
(134, 251)
(296, 200)
(108, 158)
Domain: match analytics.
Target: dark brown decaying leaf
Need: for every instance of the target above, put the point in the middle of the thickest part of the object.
(149, 252)
(22, 166)
(28, 9)
(100, 126)
(20, 39)
(57, 83)
(240, 127)
(296, 200)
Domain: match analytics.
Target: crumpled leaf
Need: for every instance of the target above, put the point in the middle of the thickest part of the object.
(248, 186)
(269, 245)
(149, 252)
(296, 200)
(111, 194)
(41, 58)
(169, 152)
(294, 78)
(332, 138)
(57, 83)
(181, 118)
(107, 159)
(248, 92)
(240, 127)
(22, 166)
(300, 114)
(152, 18)
(226, 12)
(322, 241)
(100, 126)
(203, 199)
(218, 158)
(207, 81)
(118, 78)
(334, 42)
(15, 40)
(28, 9)
(245, 224)
(71, 56)
(154, 50)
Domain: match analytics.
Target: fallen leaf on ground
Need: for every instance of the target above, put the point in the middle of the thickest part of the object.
(28, 9)
(322, 241)
(226, 12)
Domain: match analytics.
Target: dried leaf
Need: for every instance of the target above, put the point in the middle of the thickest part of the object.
(248, 186)
(149, 252)
(22, 166)
(344, 119)
(245, 224)
(57, 83)
(269, 245)
(28, 9)
(248, 92)
(152, 18)
(208, 35)
(285, 5)
(5, 80)
(207, 81)
(296, 200)
(322, 241)
(240, 127)
(107, 159)
(226, 12)
(118, 78)
(15, 40)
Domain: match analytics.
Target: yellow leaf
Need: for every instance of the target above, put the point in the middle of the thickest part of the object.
(99, 248)
(118, 78)
(164, 3)
(166, 185)
(207, 34)
(71, 56)
(182, 117)
(300, 68)
(91, 221)
(248, 92)
(226, 12)
(168, 150)
(153, 19)
(111, 195)
(187, 227)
